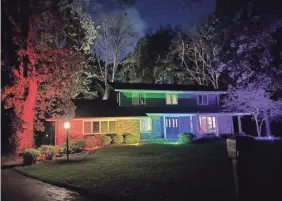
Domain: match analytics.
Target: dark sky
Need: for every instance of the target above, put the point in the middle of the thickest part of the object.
(150, 14)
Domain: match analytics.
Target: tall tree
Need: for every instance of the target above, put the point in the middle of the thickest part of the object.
(46, 76)
(116, 37)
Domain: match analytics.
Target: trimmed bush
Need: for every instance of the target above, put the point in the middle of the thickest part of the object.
(131, 139)
(118, 139)
(112, 135)
(185, 138)
(30, 156)
(48, 151)
(60, 149)
(106, 140)
(76, 146)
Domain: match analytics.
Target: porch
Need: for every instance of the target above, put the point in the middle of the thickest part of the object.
(170, 125)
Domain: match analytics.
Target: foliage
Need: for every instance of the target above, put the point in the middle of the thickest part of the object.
(253, 99)
(51, 43)
(116, 36)
(131, 139)
(106, 140)
(118, 139)
(185, 138)
(60, 149)
(153, 60)
(30, 156)
(76, 146)
(199, 52)
(48, 151)
(158, 141)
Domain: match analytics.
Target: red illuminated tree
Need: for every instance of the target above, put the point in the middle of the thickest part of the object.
(52, 39)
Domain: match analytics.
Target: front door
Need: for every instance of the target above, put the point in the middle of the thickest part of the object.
(172, 129)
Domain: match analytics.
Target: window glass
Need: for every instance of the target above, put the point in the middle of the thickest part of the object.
(174, 99)
(104, 126)
(176, 122)
(87, 127)
(205, 99)
(141, 98)
(112, 126)
(173, 123)
(168, 99)
(135, 98)
(146, 125)
(96, 127)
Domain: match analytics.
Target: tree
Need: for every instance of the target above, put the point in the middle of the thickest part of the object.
(153, 60)
(46, 76)
(116, 38)
(199, 53)
(255, 100)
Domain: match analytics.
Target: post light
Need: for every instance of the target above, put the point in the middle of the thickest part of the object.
(67, 126)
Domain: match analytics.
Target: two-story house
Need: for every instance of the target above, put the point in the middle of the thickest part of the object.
(149, 111)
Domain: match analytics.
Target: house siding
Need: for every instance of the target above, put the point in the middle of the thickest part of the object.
(224, 124)
(75, 131)
(184, 125)
(159, 100)
(131, 126)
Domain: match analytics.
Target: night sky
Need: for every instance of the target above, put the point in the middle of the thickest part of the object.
(150, 14)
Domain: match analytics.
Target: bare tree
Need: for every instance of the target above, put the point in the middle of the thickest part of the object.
(116, 38)
(200, 56)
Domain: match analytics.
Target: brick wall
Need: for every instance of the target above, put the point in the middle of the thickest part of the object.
(75, 131)
(131, 126)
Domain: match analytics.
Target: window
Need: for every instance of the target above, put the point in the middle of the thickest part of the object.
(104, 126)
(138, 99)
(171, 99)
(112, 126)
(87, 127)
(202, 100)
(146, 125)
(96, 127)
(208, 124)
(99, 127)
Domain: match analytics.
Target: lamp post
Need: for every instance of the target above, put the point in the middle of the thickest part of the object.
(67, 126)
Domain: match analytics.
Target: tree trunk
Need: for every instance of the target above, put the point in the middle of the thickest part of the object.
(257, 125)
(267, 124)
(25, 135)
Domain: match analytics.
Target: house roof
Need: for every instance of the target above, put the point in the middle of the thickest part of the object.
(162, 87)
(107, 108)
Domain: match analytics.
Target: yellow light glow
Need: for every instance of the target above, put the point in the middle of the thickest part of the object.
(67, 125)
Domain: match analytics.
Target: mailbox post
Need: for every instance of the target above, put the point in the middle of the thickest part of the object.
(239, 149)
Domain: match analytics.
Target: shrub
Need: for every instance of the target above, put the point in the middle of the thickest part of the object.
(118, 139)
(158, 141)
(185, 138)
(112, 135)
(48, 151)
(60, 149)
(106, 140)
(131, 139)
(30, 156)
(76, 146)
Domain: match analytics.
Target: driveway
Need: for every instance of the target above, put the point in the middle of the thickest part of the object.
(17, 187)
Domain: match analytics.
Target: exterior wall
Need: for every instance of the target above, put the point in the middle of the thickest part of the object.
(75, 131)
(159, 100)
(224, 124)
(131, 126)
(184, 124)
(158, 127)
(195, 124)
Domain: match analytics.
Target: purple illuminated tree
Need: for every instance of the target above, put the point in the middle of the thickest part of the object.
(254, 100)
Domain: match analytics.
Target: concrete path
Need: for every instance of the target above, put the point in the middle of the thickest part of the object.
(16, 187)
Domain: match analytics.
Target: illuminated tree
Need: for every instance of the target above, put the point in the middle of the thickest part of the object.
(52, 39)
(116, 36)
(255, 100)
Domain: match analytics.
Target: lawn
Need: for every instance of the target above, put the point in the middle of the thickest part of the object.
(149, 172)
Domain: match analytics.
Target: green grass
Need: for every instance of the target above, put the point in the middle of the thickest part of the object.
(149, 172)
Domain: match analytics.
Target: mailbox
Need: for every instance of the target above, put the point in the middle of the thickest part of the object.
(238, 146)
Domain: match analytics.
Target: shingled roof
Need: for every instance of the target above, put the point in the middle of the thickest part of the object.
(163, 87)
